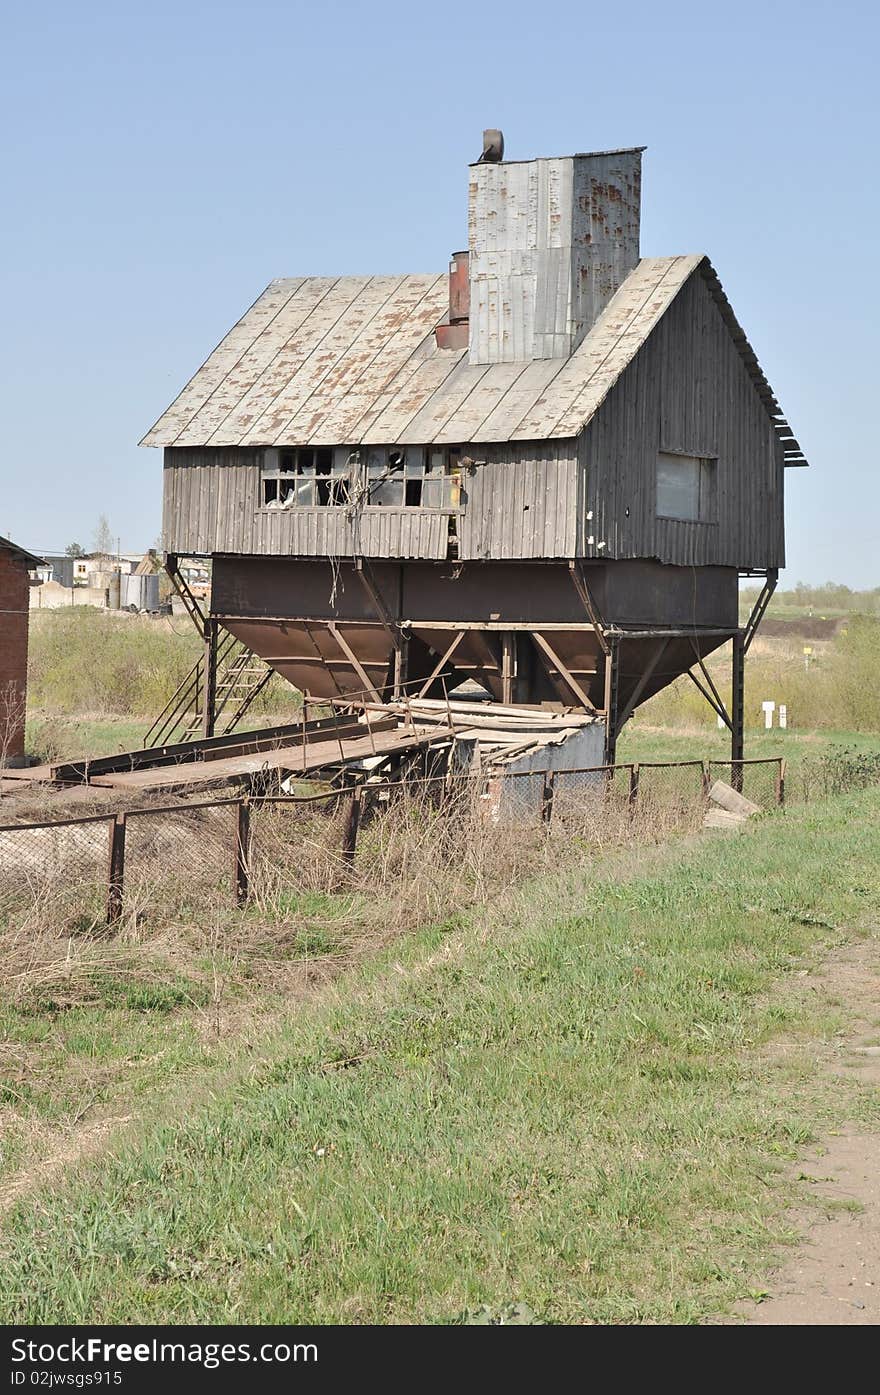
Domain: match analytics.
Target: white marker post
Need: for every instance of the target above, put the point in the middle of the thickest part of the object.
(783, 716)
(768, 708)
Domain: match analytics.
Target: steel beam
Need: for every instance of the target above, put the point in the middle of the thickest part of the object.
(737, 710)
(209, 678)
(583, 590)
(612, 677)
(439, 667)
(644, 679)
(566, 674)
(760, 607)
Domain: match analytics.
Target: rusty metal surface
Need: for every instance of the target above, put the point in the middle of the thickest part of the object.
(551, 240)
(363, 367)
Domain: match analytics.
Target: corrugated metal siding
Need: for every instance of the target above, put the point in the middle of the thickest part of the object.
(211, 504)
(522, 502)
(551, 240)
(688, 389)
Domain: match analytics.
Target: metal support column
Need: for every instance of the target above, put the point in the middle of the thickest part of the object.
(508, 666)
(612, 674)
(737, 709)
(401, 664)
(209, 680)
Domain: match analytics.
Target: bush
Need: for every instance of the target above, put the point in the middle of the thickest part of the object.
(87, 660)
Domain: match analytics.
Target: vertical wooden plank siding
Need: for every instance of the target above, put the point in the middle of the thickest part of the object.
(522, 502)
(686, 390)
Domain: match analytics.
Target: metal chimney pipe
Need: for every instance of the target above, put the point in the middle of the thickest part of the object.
(454, 335)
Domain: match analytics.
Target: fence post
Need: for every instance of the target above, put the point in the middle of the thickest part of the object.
(116, 869)
(633, 787)
(780, 782)
(241, 877)
(547, 794)
(350, 828)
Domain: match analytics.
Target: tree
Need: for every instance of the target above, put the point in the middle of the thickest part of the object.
(74, 549)
(103, 537)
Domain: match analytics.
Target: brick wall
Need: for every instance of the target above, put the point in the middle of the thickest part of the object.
(13, 653)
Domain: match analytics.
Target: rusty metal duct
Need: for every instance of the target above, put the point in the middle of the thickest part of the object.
(455, 334)
(493, 147)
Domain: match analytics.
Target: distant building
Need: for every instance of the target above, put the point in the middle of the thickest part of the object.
(15, 564)
(58, 569)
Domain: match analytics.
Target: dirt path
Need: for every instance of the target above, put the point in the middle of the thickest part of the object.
(833, 1277)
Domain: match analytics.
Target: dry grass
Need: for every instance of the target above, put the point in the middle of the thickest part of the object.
(424, 854)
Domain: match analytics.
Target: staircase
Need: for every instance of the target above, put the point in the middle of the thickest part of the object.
(241, 675)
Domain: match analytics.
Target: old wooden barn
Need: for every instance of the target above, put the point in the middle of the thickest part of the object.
(544, 470)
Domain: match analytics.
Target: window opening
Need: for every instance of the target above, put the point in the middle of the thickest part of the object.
(686, 487)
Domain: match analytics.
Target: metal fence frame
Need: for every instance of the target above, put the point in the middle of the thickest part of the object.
(354, 796)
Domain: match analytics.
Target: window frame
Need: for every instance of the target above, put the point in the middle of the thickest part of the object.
(357, 477)
(706, 487)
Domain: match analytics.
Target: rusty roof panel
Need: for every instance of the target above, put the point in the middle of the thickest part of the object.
(354, 360)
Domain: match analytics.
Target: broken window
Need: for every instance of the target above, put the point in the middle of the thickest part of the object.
(686, 487)
(393, 477)
(412, 477)
(306, 477)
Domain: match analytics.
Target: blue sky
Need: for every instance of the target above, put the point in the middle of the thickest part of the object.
(163, 162)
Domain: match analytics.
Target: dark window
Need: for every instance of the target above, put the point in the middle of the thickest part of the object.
(308, 477)
(411, 477)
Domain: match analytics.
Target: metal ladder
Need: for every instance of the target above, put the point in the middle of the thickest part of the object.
(239, 676)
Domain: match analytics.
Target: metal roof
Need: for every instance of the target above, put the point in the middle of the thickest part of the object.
(353, 361)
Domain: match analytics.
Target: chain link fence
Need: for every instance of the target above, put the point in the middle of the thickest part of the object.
(179, 858)
(182, 859)
(55, 871)
(296, 846)
(761, 781)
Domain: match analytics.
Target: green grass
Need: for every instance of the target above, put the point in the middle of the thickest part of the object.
(641, 740)
(97, 679)
(564, 1102)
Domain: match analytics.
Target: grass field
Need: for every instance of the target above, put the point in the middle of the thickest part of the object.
(565, 1098)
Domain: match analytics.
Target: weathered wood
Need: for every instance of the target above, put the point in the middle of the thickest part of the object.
(722, 818)
(351, 825)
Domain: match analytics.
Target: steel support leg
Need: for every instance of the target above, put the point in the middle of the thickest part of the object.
(612, 673)
(209, 681)
(737, 710)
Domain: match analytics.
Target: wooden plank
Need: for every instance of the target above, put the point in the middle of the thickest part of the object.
(566, 674)
(233, 770)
